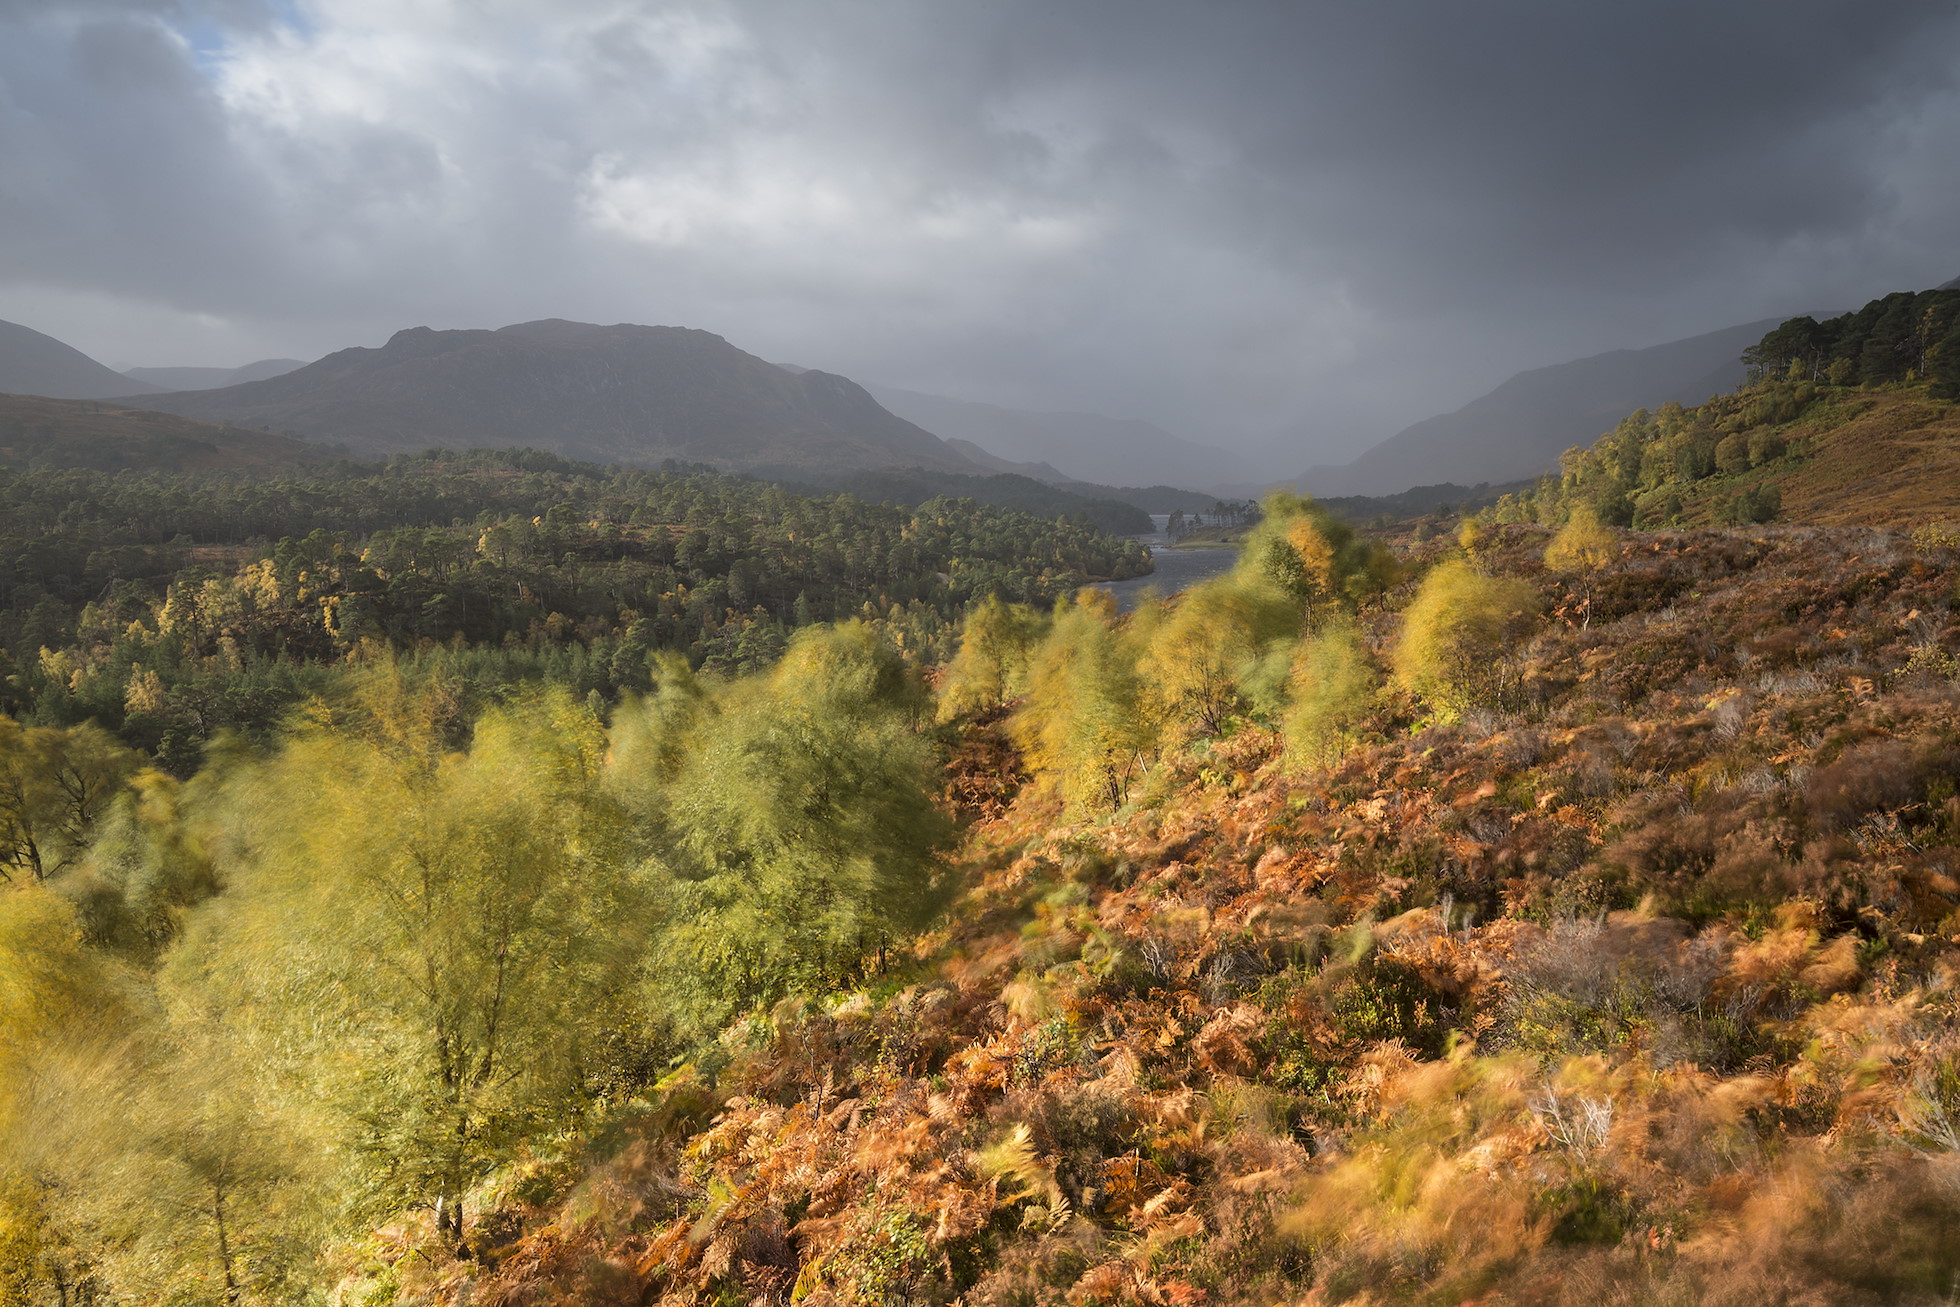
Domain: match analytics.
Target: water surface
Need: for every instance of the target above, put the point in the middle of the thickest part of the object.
(1177, 569)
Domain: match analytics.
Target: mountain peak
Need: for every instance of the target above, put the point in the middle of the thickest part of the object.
(32, 363)
(622, 393)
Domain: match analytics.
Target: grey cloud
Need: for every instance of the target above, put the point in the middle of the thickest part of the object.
(1322, 219)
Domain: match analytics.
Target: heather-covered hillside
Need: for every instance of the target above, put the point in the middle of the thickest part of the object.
(1526, 915)
(1630, 983)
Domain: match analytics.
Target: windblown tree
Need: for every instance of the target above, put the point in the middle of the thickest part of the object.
(1081, 725)
(54, 785)
(432, 942)
(1457, 635)
(1321, 561)
(991, 665)
(1331, 685)
(801, 836)
(1201, 652)
(1579, 550)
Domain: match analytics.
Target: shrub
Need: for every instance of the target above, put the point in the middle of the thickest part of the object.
(1332, 683)
(1456, 634)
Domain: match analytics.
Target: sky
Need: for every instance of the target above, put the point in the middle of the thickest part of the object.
(1288, 229)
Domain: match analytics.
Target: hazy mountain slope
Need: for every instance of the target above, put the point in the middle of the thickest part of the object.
(1081, 446)
(211, 378)
(35, 364)
(1520, 429)
(626, 394)
(40, 432)
(995, 463)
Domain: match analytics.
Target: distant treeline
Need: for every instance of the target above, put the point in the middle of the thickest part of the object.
(1905, 336)
(168, 608)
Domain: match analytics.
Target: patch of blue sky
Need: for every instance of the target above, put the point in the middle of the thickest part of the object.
(210, 27)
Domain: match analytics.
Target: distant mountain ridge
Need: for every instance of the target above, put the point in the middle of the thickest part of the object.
(211, 378)
(1079, 446)
(1519, 429)
(32, 363)
(622, 393)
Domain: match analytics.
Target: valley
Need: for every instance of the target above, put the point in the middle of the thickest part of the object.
(496, 877)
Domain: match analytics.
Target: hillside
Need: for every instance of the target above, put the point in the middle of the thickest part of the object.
(626, 394)
(35, 364)
(1519, 429)
(1632, 989)
(1537, 925)
(1081, 446)
(210, 378)
(56, 433)
(1852, 421)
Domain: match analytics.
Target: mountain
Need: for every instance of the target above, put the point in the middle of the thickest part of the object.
(1081, 446)
(1949, 285)
(1151, 499)
(39, 432)
(620, 394)
(211, 378)
(35, 364)
(1520, 429)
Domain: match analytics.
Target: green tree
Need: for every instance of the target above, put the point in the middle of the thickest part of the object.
(1457, 635)
(802, 837)
(435, 941)
(996, 640)
(1081, 726)
(1332, 683)
(1201, 651)
(1580, 549)
(54, 786)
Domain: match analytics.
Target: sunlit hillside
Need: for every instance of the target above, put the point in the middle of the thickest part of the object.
(1537, 911)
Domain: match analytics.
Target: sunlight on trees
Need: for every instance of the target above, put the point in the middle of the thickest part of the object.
(991, 666)
(1457, 635)
(803, 835)
(1332, 685)
(1081, 725)
(439, 966)
(1579, 550)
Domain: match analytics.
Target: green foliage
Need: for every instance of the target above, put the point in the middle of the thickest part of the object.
(1201, 651)
(1333, 684)
(991, 666)
(54, 786)
(1457, 633)
(434, 942)
(1081, 725)
(802, 839)
(1315, 557)
(167, 618)
(1757, 503)
(1583, 546)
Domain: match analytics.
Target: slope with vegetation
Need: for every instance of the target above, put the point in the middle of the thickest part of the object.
(81, 433)
(1855, 420)
(1532, 916)
(171, 608)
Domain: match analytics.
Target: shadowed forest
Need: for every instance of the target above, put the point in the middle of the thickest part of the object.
(1558, 905)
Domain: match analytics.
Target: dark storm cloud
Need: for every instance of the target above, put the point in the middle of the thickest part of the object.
(1326, 219)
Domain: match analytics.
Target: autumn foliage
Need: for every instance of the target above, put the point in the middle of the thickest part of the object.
(1424, 939)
